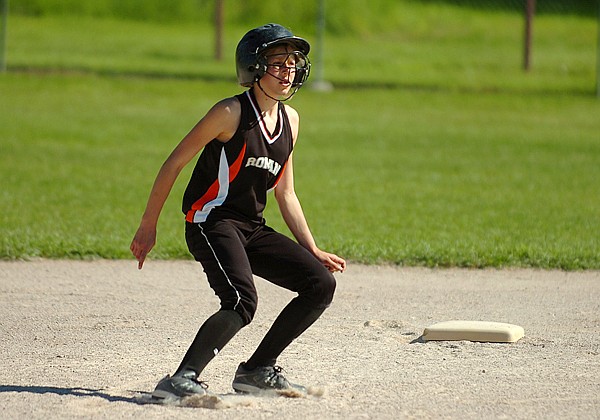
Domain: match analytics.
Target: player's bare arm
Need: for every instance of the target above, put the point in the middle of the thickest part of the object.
(219, 123)
(293, 215)
(291, 209)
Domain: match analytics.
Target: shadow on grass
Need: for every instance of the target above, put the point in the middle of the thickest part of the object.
(134, 74)
(341, 85)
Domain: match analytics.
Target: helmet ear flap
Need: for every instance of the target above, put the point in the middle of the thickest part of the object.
(260, 68)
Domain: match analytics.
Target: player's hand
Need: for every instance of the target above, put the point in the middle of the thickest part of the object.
(331, 261)
(143, 241)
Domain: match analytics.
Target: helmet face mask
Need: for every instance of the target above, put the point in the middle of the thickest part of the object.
(292, 61)
(252, 54)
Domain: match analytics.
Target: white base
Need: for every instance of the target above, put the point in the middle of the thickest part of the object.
(495, 332)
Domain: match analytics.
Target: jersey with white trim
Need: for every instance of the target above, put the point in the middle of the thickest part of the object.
(231, 179)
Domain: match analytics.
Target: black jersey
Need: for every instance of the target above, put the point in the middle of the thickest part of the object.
(231, 179)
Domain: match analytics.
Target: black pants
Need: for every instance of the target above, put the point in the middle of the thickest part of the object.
(231, 252)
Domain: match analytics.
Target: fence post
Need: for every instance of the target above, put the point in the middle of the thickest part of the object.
(320, 84)
(219, 30)
(529, 12)
(598, 55)
(4, 12)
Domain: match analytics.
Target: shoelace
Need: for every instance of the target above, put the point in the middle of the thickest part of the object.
(276, 375)
(203, 384)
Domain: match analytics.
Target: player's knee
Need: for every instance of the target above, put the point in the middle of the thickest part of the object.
(329, 288)
(243, 301)
(324, 289)
(246, 307)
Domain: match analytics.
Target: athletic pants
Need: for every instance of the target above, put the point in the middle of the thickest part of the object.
(230, 253)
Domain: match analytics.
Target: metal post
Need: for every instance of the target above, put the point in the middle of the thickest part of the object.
(529, 12)
(219, 29)
(598, 55)
(4, 11)
(320, 83)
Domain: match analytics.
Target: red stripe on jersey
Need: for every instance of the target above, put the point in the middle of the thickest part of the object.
(213, 190)
(237, 165)
(210, 195)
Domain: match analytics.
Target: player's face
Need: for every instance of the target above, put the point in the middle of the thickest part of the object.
(281, 68)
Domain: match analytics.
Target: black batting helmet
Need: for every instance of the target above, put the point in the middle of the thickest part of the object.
(250, 62)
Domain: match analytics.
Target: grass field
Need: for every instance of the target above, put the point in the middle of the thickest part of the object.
(434, 149)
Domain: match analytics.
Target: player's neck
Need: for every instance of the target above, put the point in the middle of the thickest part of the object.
(268, 106)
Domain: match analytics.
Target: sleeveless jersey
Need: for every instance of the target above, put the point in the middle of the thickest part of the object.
(231, 179)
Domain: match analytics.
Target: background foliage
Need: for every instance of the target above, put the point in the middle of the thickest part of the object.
(434, 148)
(343, 17)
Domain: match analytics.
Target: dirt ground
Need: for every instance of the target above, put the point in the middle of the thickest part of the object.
(91, 339)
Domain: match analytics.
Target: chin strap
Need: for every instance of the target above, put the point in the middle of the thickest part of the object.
(275, 99)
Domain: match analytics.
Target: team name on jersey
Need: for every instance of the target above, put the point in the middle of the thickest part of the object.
(264, 162)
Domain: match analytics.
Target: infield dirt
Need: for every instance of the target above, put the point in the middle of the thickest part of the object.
(91, 339)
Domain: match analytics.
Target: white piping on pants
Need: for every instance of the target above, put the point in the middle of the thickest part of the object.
(222, 269)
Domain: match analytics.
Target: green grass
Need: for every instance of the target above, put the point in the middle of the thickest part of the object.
(475, 180)
(432, 47)
(423, 155)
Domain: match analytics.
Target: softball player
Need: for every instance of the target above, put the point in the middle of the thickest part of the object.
(246, 142)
